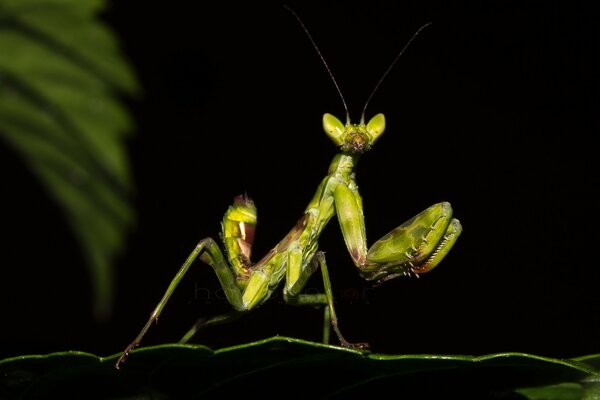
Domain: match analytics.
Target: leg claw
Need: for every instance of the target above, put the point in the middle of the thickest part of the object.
(355, 345)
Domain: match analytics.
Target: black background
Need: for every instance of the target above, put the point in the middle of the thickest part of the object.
(493, 108)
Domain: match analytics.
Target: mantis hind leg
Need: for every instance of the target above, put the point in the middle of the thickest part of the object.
(243, 288)
(209, 252)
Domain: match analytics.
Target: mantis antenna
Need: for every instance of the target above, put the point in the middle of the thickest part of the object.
(322, 59)
(385, 74)
(387, 71)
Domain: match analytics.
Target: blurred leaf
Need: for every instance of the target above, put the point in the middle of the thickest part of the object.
(587, 389)
(561, 391)
(60, 73)
(282, 367)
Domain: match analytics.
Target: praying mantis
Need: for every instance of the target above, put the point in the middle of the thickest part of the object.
(415, 247)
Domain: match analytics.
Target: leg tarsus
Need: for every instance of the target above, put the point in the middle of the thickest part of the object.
(153, 319)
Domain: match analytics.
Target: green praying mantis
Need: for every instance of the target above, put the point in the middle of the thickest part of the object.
(415, 247)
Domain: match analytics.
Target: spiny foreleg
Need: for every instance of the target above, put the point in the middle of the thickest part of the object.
(417, 246)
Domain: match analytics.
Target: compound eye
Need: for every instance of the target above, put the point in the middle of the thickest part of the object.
(376, 126)
(333, 128)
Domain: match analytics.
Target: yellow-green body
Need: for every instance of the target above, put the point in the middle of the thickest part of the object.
(417, 246)
(414, 247)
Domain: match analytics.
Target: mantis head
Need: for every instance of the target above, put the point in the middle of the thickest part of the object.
(354, 138)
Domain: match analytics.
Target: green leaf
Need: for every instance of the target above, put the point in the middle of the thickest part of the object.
(60, 77)
(282, 367)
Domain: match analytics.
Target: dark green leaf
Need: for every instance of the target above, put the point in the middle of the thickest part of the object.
(282, 367)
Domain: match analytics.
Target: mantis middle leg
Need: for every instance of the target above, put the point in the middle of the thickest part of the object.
(293, 296)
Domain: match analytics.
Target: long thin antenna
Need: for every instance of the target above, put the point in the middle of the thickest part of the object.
(324, 62)
(387, 71)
